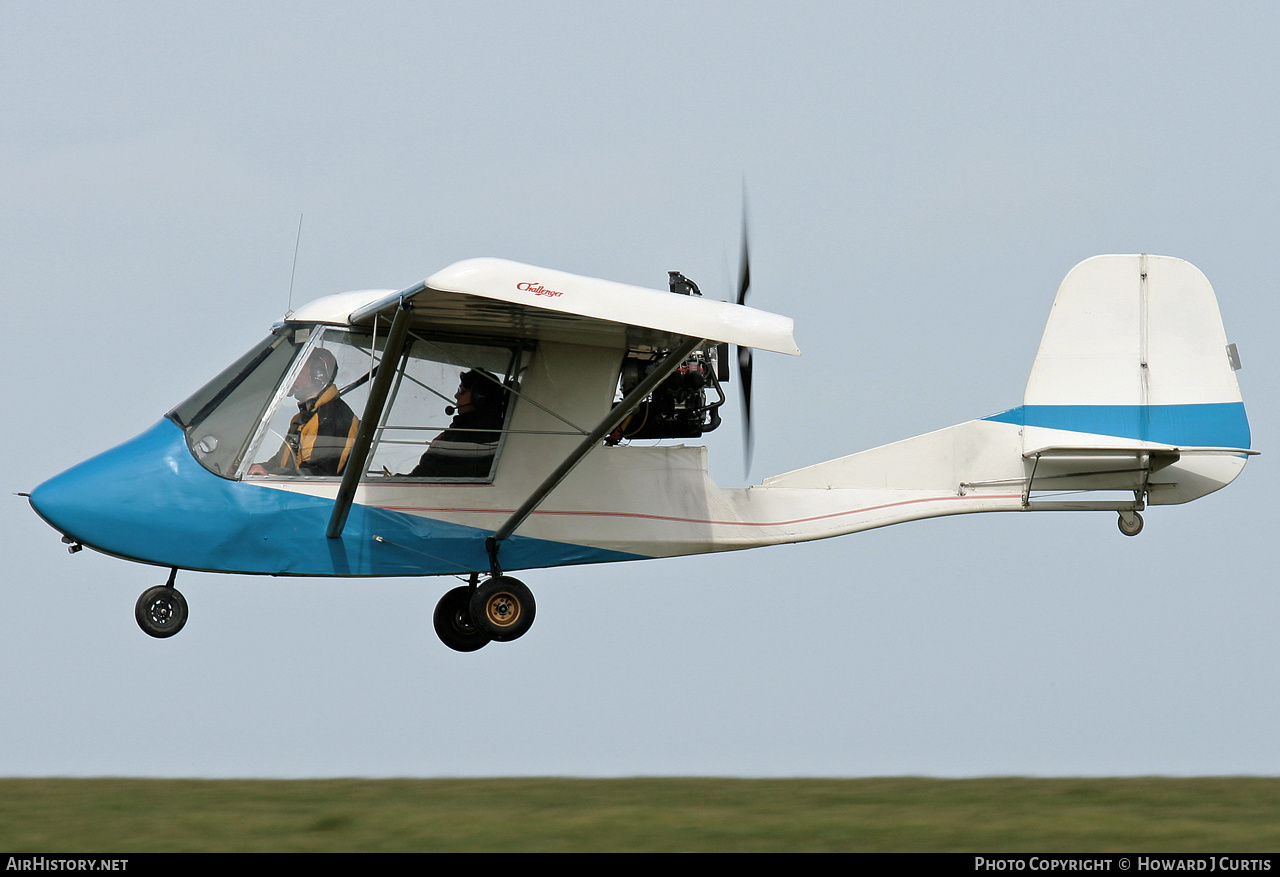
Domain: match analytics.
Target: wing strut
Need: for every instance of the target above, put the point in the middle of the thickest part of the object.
(615, 416)
(373, 406)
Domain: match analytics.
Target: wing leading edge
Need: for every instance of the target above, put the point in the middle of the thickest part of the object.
(498, 297)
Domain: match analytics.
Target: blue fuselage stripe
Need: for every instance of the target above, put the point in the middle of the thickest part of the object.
(1210, 425)
(149, 500)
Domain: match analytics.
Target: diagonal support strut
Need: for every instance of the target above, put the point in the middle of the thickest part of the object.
(373, 406)
(615, 416)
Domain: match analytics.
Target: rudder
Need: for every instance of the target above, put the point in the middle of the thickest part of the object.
(1134, 385)
(1134, 350)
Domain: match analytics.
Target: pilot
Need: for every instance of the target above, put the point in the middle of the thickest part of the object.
(323, 431)
(466, 449)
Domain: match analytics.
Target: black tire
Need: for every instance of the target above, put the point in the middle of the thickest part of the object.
(453, 623)
(503, 608)
(1130, 529)
(161, 611)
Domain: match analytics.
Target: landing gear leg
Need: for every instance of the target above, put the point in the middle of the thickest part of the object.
(161, 611)
(1130, 523)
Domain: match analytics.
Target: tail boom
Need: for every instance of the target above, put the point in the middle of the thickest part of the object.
(1132, 400)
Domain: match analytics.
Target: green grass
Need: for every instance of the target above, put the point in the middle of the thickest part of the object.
(985, 815)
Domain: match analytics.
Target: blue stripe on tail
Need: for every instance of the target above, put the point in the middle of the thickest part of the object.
(1211, 425)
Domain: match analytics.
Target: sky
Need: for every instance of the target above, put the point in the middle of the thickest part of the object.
(921, 176)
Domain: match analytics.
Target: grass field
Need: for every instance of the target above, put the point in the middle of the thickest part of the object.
(984, 815)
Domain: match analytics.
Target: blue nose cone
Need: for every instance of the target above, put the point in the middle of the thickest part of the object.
(150, 500)
(116, 501)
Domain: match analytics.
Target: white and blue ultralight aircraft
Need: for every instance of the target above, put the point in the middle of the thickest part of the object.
(558, 383)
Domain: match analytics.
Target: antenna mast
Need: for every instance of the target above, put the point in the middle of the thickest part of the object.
(293, 272)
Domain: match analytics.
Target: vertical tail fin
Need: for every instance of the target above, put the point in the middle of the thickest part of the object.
(1134, 351)
(1134, 358)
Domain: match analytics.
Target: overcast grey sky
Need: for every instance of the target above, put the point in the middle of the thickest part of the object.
(921, 176)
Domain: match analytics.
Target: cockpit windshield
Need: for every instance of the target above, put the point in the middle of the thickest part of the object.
(291, 407)
(221, 417)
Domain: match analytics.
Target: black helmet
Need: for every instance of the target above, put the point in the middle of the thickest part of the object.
(486, 390)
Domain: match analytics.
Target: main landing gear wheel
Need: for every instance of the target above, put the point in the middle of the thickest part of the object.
(161, 611)
(453, 622)
(1130, 523)
(503, 608)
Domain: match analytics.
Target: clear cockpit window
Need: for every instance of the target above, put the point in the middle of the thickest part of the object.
(447, 412)
(291, 408)
(221, 417)
(311, 426)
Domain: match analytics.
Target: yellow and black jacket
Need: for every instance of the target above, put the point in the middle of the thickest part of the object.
(320, 437)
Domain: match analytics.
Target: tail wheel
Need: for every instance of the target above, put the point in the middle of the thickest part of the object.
(1130, 523)
(453, 622)
(161, 611)
(503, 608)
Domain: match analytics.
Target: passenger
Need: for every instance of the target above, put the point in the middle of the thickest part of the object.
(467, 448)
(323, 431)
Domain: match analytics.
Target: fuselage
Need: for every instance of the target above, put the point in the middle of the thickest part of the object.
(1152, 416)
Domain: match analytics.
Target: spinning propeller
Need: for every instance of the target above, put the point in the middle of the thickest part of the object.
(744, 353)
